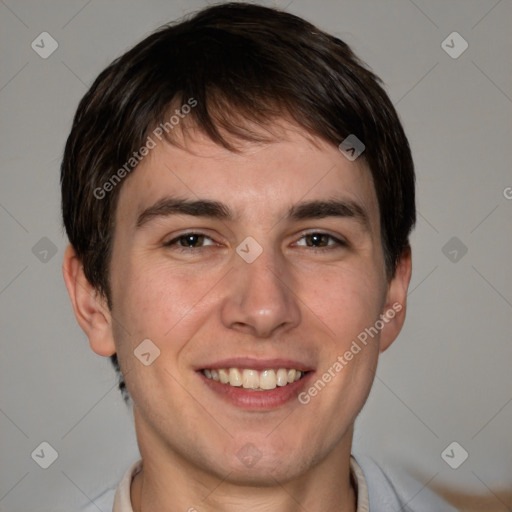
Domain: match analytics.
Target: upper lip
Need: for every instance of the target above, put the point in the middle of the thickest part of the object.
(257, 364)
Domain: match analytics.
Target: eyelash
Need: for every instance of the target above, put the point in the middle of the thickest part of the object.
(173, 243)
(338, 243)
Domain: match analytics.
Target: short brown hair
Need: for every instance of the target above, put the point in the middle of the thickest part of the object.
(242, 64)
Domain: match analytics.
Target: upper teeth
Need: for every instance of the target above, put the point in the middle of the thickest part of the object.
(254, 379)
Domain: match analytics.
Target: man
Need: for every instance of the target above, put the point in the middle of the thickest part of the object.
(238, 194)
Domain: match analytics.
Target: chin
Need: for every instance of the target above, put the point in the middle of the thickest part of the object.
(264, 473)
(271, 462)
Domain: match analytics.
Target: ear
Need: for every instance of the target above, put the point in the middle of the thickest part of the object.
(396, 300)
(90, 307)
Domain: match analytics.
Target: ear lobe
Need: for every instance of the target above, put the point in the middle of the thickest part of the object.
(396, 300)
(90, 308)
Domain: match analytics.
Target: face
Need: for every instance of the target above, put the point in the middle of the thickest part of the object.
(252, 274)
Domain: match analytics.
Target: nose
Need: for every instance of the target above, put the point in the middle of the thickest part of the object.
(260, 300)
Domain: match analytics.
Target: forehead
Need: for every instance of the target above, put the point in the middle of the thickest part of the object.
(260, 180)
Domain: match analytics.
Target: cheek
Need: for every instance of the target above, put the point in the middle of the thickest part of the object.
(346, 300)
(153, 302)
(154, 296)
(164, 304)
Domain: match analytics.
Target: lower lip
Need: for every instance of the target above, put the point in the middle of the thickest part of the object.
(258, 400)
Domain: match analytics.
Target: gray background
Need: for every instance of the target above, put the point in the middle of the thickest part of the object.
(447, 377)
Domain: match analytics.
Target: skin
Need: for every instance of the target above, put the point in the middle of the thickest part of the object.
(206, 303)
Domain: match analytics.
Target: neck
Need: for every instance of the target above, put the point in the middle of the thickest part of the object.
(171, 483)
(149, 494)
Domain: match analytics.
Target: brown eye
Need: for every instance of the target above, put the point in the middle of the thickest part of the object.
(317, 240)
(190, 241)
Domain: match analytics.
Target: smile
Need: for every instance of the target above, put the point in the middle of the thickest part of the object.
(252, 379)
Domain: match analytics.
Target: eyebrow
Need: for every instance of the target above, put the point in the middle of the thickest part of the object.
(173, 206)
(330, 208)
(317, 209)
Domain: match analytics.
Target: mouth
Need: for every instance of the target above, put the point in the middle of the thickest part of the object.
(252, 379)
(256, 385)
